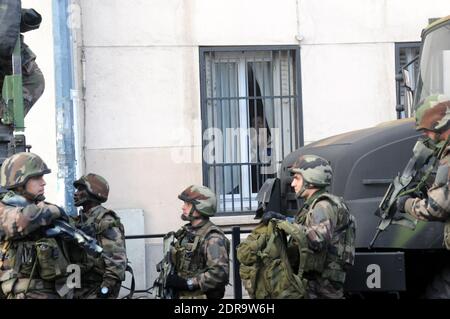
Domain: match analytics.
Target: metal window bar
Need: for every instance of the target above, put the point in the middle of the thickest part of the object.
(213, 115)
(298, 101)
(289, 93)
(244, 200)
(281, 104)
(229, 109)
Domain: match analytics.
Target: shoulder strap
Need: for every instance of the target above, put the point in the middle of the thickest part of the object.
(203, 232)
(338, 201)
(103, 212)
(343, 211)
(180, 232)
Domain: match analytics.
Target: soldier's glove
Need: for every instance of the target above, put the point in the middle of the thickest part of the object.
(271, 214)
(177, 282)
(401, 201)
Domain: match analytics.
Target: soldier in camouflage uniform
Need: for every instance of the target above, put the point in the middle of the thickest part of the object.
(32, 77)
(201, 248)
(328, 226)
(31, 265)
(101, 277)
(433, 119)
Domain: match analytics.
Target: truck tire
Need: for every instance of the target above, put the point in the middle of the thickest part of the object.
(439, 287)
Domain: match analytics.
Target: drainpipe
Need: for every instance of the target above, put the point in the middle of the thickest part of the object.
(65, 140)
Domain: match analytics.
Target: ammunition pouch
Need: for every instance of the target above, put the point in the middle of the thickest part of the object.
(248, 276)
(52, 261)
(314, 262)
(21, 285)
(17, 258)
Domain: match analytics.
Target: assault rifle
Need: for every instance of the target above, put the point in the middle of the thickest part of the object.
(85, 241)
(89, 244)
(411, 182)
(165, 268)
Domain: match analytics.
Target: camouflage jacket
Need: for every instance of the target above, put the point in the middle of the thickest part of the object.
(436, 205)
(105, 226)
(22, 226)
(19, 217)
(202, 253)
(329, 231)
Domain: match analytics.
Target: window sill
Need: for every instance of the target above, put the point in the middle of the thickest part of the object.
(228, 221)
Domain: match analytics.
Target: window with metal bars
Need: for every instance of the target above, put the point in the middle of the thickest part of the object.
(251, 119)
(404, 53)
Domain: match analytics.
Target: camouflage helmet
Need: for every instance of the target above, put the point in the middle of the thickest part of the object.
(96, 186)
(17, 169)
(433, 114)
(314, 169)
(203, 199)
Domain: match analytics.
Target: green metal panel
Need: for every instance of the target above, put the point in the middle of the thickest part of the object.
(12, 93)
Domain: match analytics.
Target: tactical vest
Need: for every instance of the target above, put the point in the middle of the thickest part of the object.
(92, 226)
(265, 268)
(190, 260)
(35, 257)
(333, 262)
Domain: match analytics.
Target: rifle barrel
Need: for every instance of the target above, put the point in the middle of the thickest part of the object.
(377, 233)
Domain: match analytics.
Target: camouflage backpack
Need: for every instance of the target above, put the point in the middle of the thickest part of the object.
(265, 269)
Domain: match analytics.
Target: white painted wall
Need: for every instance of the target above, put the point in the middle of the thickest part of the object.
(40, 122)
(359, 83)
(347, 51)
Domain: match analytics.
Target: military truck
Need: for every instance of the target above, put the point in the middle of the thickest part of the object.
(402, 262)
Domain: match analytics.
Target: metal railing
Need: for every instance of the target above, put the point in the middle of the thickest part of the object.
(235, 241)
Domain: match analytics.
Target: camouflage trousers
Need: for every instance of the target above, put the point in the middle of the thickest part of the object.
(32, 79)
(321, 288)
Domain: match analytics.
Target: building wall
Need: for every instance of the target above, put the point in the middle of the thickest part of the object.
(40, 122)
(348, 52)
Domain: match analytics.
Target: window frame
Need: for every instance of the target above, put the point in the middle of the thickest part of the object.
(203, 51)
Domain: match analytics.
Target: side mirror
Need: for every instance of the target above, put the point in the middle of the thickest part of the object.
(408, 92)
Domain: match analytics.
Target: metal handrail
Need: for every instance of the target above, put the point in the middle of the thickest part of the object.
(235, 241)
